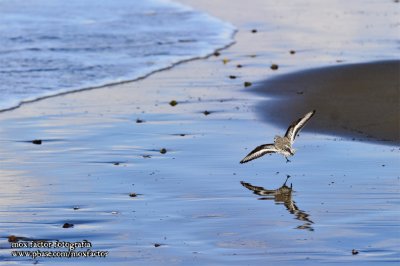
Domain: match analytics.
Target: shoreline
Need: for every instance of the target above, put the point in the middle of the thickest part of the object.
(112, 84)
(79, 51)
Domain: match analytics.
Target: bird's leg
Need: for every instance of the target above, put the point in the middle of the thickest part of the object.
(287, 160)
(287, 177)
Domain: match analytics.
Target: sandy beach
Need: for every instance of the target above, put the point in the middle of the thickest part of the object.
(154, 183)
(363, 100)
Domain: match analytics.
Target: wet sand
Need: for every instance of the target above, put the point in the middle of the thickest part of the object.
(360, 101)
(101, 166)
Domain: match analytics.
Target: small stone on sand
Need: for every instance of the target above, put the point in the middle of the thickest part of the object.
(37, 141)
(67, 225)
(354, 252)
(232, 77)
(157, 245)
(239, 66)
(206, 112)
(216, 53)
(12, 239)
(133, 195)
(247, 83)
(253, 31)
(173, 103)
(274, 66)
(139, 121)
(292, 52)
(163, 151)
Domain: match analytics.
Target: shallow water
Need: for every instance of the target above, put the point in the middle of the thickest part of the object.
(190, 200)
(51, 47)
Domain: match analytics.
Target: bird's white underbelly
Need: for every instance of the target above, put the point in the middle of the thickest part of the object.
(285, 153)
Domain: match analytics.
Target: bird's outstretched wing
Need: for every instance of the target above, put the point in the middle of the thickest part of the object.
(296, 126)
(258, 190)
(259, 151)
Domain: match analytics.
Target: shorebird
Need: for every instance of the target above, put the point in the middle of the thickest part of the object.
(283, 195)
(282, 145)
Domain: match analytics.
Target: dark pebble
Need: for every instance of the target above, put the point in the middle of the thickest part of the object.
(354, 252)
(116, 163)
(217, 53)
(173, 103)
(76, 208)
(133, 195)
(206, 112)
(67, 225)
(247, 84)
(292, 52)
(239, 66)
(157, 245)
(37, 141)
(139, 121)
(163, 151)
(274, 66)
(253, 31)
(13, 239)
(232, 77)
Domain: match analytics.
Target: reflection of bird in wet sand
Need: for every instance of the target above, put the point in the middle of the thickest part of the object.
(282, 195)
(281, 145)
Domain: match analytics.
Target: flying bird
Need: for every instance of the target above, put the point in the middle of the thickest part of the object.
(283, 195)
(282, 145)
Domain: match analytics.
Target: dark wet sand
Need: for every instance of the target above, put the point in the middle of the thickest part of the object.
(359, 101)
